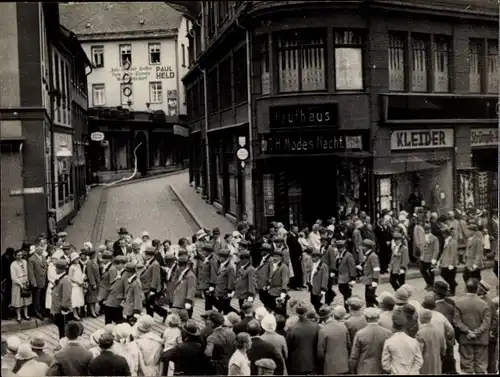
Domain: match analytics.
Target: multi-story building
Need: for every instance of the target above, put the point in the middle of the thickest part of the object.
(343, 106)
(43, 120)
(139, 54)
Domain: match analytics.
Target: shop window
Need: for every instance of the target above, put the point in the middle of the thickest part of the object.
(352, 187)
(264, 65)
(126, 94)
(302, 60)
(120, 151)
(492, 66)
(441, 64)
(97, 53)
(420, 57)
(155, 53)
(225, 91)
(384, 194)
(348, 60)
(397, 62)
(213, 91)
(162, 150)
(240, 75)
(466, 192)
(98, 95)
(475, 65)
(125, 55)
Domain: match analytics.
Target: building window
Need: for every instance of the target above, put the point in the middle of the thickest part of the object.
(155, 92)
(97, 56)
(441, 64)
(183, 48)
(213, 91)
(492, 66)
(126, 92)
(240, 75)
(475, 65)
(125, 55)
(396, 62)
(63, 90)
(67, 94)
(154, 53)
(420, 63)
(348, 60)
(264, 65)
(302, 60)
(98, 95)
(225, 90)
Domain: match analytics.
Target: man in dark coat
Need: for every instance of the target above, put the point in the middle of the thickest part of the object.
(117, 248)
(261, 349)
(292, 241)
(108, 363)
(247, 311)
(383, 232)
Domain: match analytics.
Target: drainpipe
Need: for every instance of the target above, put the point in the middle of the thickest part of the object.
(207, 151)
(250, 143)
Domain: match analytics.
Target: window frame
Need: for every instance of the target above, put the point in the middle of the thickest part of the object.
(488, 61)
(120, 49)
(183, 52)
(360, 45)
(403, 37)
(152, 90)
(94, 54)
(426, 40)
(152, 45)
(95, 87)
(438, 39)
(265, 66)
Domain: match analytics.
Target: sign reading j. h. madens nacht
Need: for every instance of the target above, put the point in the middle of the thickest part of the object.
(422, 139)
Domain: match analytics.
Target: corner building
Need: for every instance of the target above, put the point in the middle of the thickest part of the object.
(344, 107)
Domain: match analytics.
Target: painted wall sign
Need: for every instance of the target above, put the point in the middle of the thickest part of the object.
(303, 116)
(484, 137)
(132, 74)
(27, 191)
(165, 73)
(422, 139)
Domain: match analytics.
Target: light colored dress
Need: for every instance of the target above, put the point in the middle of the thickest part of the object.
(242, 361)
(51, 278)
(19, 276)
(76, 276)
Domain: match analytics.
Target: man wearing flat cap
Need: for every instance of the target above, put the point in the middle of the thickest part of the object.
(329, 258)
(224, 281)
(93, 278)
(61, 308)
(108, 274)
(474, 255)
(398, 264)
(277, 284)
(318, 285)
(152, 284)
(246, 279)
(265, 367)
(185, 285)
(371, 273)
(207, 274)
(428, 256)
(346, 270)
(262, 271)
(37, 276)
(134, 295)
(113, 310)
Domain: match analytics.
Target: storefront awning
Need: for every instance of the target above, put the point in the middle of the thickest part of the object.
(399, 165)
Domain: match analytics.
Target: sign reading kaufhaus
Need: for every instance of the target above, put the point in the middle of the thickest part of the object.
(304, 116)
(484, 137)
(435, 138)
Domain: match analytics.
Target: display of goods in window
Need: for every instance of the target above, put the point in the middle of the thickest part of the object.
(482, 186)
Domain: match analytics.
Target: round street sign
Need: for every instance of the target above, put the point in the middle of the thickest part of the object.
(242, 154)
(97, 136)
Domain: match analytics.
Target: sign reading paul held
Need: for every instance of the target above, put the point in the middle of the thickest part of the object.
(436, 138)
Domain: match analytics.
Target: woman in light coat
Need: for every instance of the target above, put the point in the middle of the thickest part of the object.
(76, 277)
(130, 349)
(150, 345)
(269, 324)
(19, 276)
(51, 278)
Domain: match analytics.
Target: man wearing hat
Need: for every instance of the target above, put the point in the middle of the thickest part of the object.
(262, 271)
(448, 261)
(346, 271)
(428, 256)
(216, 240)
(37, 276)
(329, 258)
(220, 344)
(246, 279)
(67, 249)
(399, 262)
(482, 291)
(224, 282)
(265, 367)
(117, 247)
(133, 293)
(61, 308)
(93, 278)
(207, 273)
(152, 284)
(277, 283)
(62, 236)
(108, 274)
(38, 345)
(113, 310)
(474, 255)
(185, 285)
(357, 242)
(333, 344)
(371, 273)
(52, 224)
(318, 285)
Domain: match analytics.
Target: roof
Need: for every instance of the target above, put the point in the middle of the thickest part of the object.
(85, 19)
(75, 43)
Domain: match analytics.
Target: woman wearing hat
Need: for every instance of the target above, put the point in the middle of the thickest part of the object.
(29, 365)
(150, 345)
(21, 294)
(76, 276)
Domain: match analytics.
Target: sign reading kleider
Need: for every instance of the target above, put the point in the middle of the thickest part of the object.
(484, 137)
(422, 139)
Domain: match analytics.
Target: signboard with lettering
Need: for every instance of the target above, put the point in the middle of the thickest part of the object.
(325, 115)
(132, 74)
(422, 139)
(484, 137)
(317, 142)
(165, 73)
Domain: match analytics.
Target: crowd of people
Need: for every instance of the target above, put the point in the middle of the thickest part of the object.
(388, 333)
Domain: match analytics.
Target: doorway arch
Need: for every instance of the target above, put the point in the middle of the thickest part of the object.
(142, 152)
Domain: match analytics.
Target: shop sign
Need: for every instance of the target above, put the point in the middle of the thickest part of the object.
(484, 137)
(304, 116)
(309, 143)
(97, 136)
(165, 73)
(131, 74)
(27, 191)
(422, 139)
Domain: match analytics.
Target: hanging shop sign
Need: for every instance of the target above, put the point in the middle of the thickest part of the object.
(97, 136)
(242, 154)
(304, 116)
(422, 139)
(484, 137)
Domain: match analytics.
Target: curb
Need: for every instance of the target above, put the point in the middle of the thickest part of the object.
(149, 178)
(187, 208)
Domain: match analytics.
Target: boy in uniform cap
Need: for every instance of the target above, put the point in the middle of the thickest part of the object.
(185, 285)
(346, 272)
(245, 288)
(448, 260)
(61, 308)
(398, 264)
(134, 296)
(371, 273)
(474, 255)
(330, 260)
(277, 283)
(66, 248)
(113, 310)
(428, 257)
(152, 284)
(108, 274)
(265, 367)
(318, 285)
(207, 274)
(263, 275)
(224, 282)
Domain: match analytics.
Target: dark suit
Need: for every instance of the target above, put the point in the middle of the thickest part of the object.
(384, 235)
(295, 257)
(109, 364)
(37, 276)
(302, 340)
(188, 358)
(261, 349)
(72, 360)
